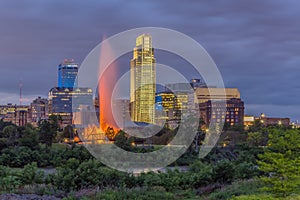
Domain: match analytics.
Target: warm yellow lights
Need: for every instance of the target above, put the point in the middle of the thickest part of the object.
(142, 81)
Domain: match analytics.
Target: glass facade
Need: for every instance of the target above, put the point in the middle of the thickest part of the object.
(142, 81)
(60, 101)
(67, 72)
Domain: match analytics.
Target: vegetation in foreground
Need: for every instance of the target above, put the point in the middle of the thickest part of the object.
(264, 166)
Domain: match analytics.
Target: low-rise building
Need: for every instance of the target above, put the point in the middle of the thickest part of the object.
(267, 121)
(20, 115)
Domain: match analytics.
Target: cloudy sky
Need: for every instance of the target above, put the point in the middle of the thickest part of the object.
(255, 44)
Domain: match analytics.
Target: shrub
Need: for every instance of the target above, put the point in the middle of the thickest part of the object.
(31, 174)
(223, 171)
(237, 188)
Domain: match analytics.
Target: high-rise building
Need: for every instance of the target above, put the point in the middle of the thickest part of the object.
(165, 107)
(142, 81)
(60, 102)
(61, 98)
(174, 104)
(67, 73)
(184, 98)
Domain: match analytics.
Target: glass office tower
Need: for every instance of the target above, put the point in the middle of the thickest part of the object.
(142, 81)
(67, 72)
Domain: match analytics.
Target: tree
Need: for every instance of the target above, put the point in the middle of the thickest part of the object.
(257, 125)
(68, 132)
(254, 138)
(223, 171)
(11, 132)
(281, 162)
(30, 138)
(122, 141)
(31, 174)
(4, 124)
(48, 129)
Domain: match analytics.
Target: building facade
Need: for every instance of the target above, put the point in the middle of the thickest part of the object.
(268, 121)
(248, 121)
(60, 102)
(67, 73)
(39, 110)
(142, 81)
(19, 115)
(176, 102)
(206, 94)
(211, 105)
(213, 111)
(164, 107)
(184, 97)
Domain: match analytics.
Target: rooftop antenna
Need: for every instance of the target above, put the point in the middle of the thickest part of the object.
(21, 86)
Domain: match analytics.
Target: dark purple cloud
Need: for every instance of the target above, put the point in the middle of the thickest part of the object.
(255, 43)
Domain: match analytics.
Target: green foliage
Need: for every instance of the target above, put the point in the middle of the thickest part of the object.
(8, 131)
(257, 126)
(21, 156)
(74, 175)
(30, 138)
(281, 162)
(254, 138)
(202, 174)
(13, 179)
(3, 143)
(137, 193)
(48, 129)
(76, 169)
(245, 170)
(9, 179)
(9, 183)
(18, 156)
(255, 197)
(68, 132)
(238, 188)
(3, 124)
(31, 174)
(11, 133)
(122, 141)
(223, 171)
(61, 156)
(264, 197)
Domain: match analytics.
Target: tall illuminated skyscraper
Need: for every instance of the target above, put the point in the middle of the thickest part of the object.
(67, 72)
(142, 81)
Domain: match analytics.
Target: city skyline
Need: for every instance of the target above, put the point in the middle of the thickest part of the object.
(254, 48)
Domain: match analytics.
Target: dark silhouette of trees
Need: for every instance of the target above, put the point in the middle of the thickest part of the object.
(48, 129)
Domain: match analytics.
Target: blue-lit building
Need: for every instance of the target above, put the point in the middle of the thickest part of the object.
(62, 97)
(67, 72)
(60, 101)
